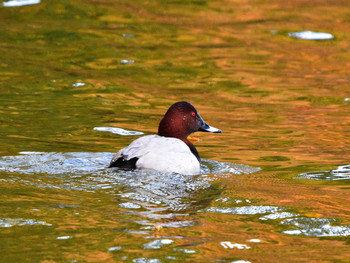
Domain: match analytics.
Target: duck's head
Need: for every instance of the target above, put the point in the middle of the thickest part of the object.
(181, 120)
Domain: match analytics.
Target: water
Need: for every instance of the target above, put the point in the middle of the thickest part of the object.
(78, 81)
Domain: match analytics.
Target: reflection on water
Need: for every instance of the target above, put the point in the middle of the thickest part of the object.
(150, 194)
(148, 197)
(145, 188)
(282, 102)
(152, 201)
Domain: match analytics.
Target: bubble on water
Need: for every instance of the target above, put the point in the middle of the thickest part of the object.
(146, 260)
(228, 244)
(292, 232)
(78, 84)
(341, 173)
(157, 243)
(127, 61)
(29, 152)
(245, 210)
(64, 237)
(14, 3)
(10, 222)
(128, 35)
(119, 131)
(310, 35)
(177, 224)
(114, 248)
(221, 168)
(223, 199)
(136, 232)
(280, 215)
(169, 224)
(316, 227)
(72, 164)
(130, 205)
(186, 250)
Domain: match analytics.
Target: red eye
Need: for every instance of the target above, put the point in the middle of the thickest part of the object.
(193, 114)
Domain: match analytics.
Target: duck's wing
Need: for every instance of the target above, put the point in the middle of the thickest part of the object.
(159, 153)
(127, 157)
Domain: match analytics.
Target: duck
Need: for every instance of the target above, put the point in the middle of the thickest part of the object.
(170, 151)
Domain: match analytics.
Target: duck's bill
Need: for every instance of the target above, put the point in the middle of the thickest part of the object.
(206, 128)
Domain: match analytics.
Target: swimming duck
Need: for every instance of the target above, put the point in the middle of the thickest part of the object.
(170, 150)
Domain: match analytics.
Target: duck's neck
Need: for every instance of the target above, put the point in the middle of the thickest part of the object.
(193, 149)
(169, 127)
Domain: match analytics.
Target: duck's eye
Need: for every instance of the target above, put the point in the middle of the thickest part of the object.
(193, 114)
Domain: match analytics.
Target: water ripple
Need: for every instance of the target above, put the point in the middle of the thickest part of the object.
(341, 173)
(316, 227)
(306, 226)
(61, 170)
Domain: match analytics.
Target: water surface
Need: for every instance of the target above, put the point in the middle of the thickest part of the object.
(79, 80)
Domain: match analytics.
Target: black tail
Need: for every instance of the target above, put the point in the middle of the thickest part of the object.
(124, 164)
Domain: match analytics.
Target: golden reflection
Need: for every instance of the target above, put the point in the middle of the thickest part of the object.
(279, 101)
